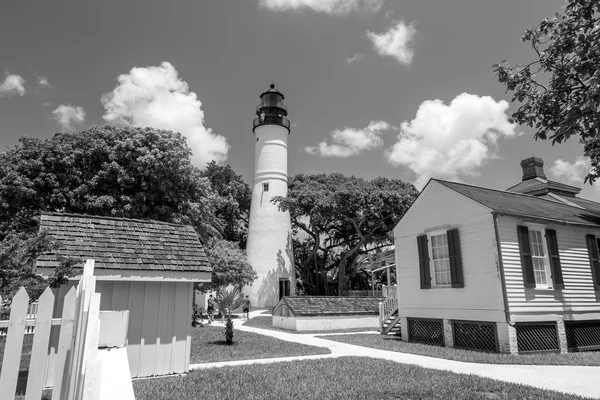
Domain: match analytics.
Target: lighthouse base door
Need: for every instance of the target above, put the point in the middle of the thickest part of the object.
(284, 287)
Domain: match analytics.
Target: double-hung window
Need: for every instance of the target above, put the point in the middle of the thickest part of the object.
(440, 259)
(440, 262)
(540, 258)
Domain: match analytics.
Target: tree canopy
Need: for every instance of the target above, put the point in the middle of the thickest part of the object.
(128, 172)
(232, 204)
(341, 218)
(230, 266)
(559, 90)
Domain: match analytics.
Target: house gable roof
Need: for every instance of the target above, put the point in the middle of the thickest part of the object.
(529, 206)
(321, 305)
(126, 244)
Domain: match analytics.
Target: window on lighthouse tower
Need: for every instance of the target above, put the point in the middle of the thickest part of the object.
(266, 187)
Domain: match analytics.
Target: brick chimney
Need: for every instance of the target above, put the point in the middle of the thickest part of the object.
(533, 167)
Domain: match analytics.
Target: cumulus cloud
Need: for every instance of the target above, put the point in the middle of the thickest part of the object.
(339, 7)
(571, 172)
(395, 42)
(43, 82)
(69, 117)
(450, 141)
(13, 84)
(350, 142)
(155, 96)
(354, 58)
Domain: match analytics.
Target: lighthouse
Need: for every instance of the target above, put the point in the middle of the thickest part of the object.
(269, 244)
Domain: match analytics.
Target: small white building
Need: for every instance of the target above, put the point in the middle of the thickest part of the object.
(146, 267)
(321, 313)
(510, 271)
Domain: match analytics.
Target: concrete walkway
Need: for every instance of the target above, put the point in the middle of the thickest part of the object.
(584, 381)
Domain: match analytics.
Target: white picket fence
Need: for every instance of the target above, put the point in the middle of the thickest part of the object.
(31, 314)
(76, 368)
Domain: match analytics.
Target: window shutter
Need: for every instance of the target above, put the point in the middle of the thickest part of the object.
(424, 262)
(557, 276)
(526, 262)
(456, 270)
(594, 260)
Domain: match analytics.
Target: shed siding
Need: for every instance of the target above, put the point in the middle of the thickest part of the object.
(481, 297)
(577, 297)
(159, 334)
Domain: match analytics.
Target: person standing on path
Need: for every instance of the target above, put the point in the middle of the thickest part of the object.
(246, 307)
(210, 309)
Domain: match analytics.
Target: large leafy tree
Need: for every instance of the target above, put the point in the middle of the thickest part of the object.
(232, 205)
(128, 172)
(559, 90)
(105, 170)
(343, 218)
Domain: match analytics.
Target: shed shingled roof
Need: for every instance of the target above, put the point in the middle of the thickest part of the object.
(529, 206)
(321, 305)
(128, 244)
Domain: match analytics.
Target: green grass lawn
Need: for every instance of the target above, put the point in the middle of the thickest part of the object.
(208, 345)
(394, 344)
(265, 322)
(341, 378)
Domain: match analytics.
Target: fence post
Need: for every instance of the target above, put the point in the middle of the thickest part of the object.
(14, 343)
(61, 366)
(39, 349)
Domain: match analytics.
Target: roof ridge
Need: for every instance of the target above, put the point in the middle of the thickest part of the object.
(146, 221)
(503, 191)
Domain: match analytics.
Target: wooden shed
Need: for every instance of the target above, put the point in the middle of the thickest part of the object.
(316, 313)
(146, 267)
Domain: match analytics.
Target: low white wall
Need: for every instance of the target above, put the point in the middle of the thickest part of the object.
(288, 323)
(324, 323)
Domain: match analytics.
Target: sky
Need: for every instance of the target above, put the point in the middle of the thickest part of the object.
(395, 88)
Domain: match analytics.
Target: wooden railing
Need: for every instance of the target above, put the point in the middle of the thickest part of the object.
(365, 293)
(386, 309)
(389, 292)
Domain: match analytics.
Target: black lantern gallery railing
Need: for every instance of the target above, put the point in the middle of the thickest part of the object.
(271, 120)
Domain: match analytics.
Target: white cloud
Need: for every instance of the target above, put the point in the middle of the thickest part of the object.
(395, 42)
(571, 172)
(449, 141)
(339, 7)
(68, 117)
(42, 81)
(354, 58)
(13, 84)
(350, 142)
(155, 96)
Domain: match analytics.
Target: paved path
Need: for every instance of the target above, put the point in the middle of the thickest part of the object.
(584, 381)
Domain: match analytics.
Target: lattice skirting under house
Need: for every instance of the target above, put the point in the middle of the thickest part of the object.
(475, 335)
(424, 330)
(537, 337)
(583, 335)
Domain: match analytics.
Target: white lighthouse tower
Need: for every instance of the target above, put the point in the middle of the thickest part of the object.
(269, 245)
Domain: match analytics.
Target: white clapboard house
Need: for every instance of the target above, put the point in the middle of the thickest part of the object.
(509, 271)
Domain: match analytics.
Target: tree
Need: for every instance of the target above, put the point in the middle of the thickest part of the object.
(344, 217)
(559, 91)
(127, 172)
(230, 266)
(233, 201)
(18, 254)
(123, 172)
